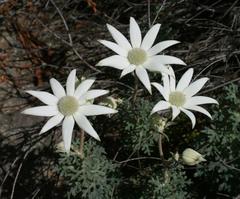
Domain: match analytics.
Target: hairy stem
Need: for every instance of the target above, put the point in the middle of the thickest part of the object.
(135, 88)
(160, 147)
(82, 137)
(165, 162)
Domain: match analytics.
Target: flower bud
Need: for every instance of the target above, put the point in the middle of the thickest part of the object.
(176, 156)
(78, 81)
(111, 102)
(159, 122)
(60, 147)
(191, 157)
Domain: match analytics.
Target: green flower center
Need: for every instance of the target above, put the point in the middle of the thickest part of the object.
(68, 105)
(177, 98)
(137, 56)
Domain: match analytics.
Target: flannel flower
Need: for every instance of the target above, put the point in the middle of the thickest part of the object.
(70, 106)
(140, 55)
(181, 97)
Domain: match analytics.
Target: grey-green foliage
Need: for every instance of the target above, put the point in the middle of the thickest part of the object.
(92, 177)
(139, 133)
(171, 184)
(222, 145)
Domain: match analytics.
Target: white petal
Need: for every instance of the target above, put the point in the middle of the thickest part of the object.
(151, 65)
(143, 77)
(175, 112)
(119, 38)
(91, 110)
(45, 97)
(115, 61)
(83, 87)
(166, 59)
(194, 87)
(150, 37)
(200, 109)
(85, 125)
(166, 83)
(159, 47)
(54, 121)
(94, 93)
(57, 88)
(161, 90)
(67, 131)
(71, 81)
(42, 111)
(135, 33)
(185, 80)
(172, 79)
(127, 70)
(161, 105)
(190, 115)
(114, 47)
(197, 100)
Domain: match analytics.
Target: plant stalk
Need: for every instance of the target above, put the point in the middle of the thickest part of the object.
(160, 147)
(82, 137)
(135, 88)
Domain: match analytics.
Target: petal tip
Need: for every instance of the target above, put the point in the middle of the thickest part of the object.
(74, 70)
(28, 91)
(41, 132)
(109, 27)
(132, 18)
(23, 112)
(52, 80)
(152, 112)
(193, 125)
(150, 91)
(99, 64)
(98, 138)
(183, 63)
(115, 111)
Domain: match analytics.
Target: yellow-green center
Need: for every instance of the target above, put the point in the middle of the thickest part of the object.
(137, 56)
(177, 98)
(68, 105)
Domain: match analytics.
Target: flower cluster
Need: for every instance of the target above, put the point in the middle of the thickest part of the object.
(141, 55)
(136, 57)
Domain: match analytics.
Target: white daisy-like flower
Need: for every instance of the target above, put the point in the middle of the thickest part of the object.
(181, 97)
(140, 55)
(70, 106)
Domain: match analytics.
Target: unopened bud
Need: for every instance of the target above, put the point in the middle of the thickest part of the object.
(176, 156)
(159, 122)
(60, 147)
(78, 81)
(191, 157)
(111, 102)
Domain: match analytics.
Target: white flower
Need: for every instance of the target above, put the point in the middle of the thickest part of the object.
(70, 106)
(140, 54)
(181, 97)
(191, 157)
